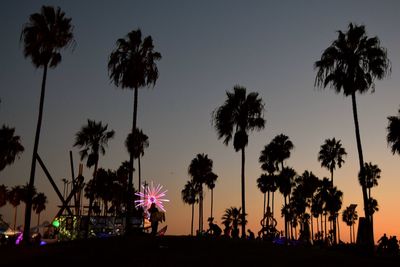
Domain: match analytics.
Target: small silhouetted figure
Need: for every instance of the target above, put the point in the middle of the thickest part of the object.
(393, 245)
(213, 228)
(383, 243)
(251, 235)
(153, 218)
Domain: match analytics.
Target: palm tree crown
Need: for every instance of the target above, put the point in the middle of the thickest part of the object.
(45, 35)
(281, 147)
(10, 146)
(93, 139)
(393, 135)
(331, 155)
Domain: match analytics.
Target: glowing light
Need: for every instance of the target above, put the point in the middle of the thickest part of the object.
(56, 223)
(151, 195)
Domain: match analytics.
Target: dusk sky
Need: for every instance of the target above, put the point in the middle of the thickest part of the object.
(207, 47)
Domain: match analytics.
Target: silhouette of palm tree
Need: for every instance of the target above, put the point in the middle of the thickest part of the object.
(285, 185)
(39, 204)
(200, 169)
(189, 196)
(333, 204)
(331, 155)
(350, 65)
(393, 135)
(43, 37)
(137, 147)
(350, 216)
(92, 139)
(133, 65)
(14, 198)
(281, 147)
(262, 184)
(10, 146)
(239, 114)
(233, 216)
(3, 195)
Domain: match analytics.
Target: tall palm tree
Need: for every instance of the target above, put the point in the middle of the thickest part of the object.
(189, 196)
(43, 38)
(10, 146)
(14, 198)
(200, 169)
(133, 65)
(331, 155)
(240, 114)
(210, 183)
(3, 195)
(350, 65)
(92, 139)
(137, 147)
(393, 135)
(262, 184)
(39, 204)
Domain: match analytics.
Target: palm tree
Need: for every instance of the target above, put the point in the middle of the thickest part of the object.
(372, 174)
(234, 217)
(133, 65)
(262, 184)
(137, 147)
(239, 114)
(43, 37)
(285, 184)
(14, 198)
(210, 183)
(10, 146)
(3, 195)
(39, 204)
(321, 198)
(92, 140)
(200, 169)
(333, 204)
(349, 216)
(331, 155)
(393, 136)
(189, 196)
(281, 147)
(351, 64)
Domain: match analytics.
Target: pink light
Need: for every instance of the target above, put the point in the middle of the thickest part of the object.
(151, 195)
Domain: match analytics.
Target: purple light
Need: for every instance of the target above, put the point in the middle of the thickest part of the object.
(151, 195)
(19, 239)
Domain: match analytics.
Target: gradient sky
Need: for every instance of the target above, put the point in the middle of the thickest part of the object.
(207, 48)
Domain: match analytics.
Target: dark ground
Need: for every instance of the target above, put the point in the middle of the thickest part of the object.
(184, 251)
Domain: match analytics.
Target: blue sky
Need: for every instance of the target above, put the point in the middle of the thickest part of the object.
(207, 48)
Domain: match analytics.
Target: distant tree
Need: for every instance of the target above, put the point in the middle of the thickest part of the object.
(281, 147)
(285, 185)
(43, 37)
(3, 195)
(92, 139)
(331, 155)
(200, 169)
(372, 175)
(233, 216)
(133, 65)
(10, 146)
(393, 135)
(263, 186)
(39, 205)
(14, 198)
(240, 114)
(350, 216)
(137, 147)
(350, 65)
(333, 204)
(189, 196)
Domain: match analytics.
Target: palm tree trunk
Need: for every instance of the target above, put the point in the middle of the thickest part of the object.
(243, 197)
(264, 207)
(369, 229)
(269, 208)
(15, 216)
(286, 223)
(312, 227)
(212, 201)
(91, 199)
(351, 239)
(191, 229)
(28, 206)
(338, 228)
(201, 210)
(38, 220)
(325, 227)
(131, 160)
(273, 199)
(139, 173)
(332, 178)
(334, 229)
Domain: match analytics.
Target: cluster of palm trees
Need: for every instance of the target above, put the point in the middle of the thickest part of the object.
(131, 65)
(350, 65)
(200, 172)
(17, 194)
